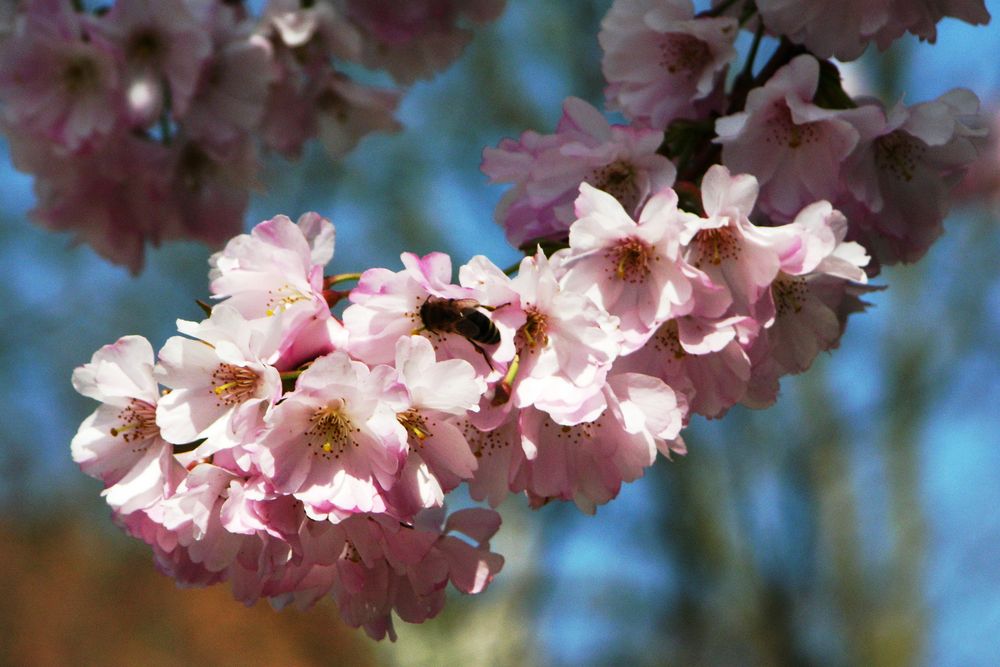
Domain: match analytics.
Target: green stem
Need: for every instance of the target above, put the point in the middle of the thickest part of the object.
(340, 278)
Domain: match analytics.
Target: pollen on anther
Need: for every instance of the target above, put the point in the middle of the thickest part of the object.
(331, 431)
(232, 385)
(715, 246)
(629, 259)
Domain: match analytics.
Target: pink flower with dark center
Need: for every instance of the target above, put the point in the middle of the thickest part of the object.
(588, 462)
(221, 382)
(335, 442)
(660, 61)
(735, 254)
(633, 269)
(120, 443)
(565, 346)
(440, 393)
(275, 268)
(500, 454)
(901, 177)
(701, 358)
(159, 40)
(59, 80)
(802, 308)
(794, 148)
(547, 170)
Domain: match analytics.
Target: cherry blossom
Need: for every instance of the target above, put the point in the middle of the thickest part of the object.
(630, 268)
(902, 176)
(120, 443)
(547, 171)
(58, 78)
(275, 268)
(415, 40)
(737, 255)
(794, 147)
(220, 380)
(158, 40)
(587, 462)
(440, 393)
(660, 61)
(335, 442)
(232, 91)
(566, 346)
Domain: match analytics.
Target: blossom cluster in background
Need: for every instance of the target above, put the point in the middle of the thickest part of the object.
(676, 265)
(144, 121)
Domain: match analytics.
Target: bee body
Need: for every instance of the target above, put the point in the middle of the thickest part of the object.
(459, 316)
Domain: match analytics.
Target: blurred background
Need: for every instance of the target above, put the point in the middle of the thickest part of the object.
(855, 523)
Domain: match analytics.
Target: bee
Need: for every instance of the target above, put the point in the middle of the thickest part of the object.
(459, 316)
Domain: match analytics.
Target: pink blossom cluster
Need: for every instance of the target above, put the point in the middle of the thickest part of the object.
(144, 122)
(257, 449)
(298, 454)
(889, 169)
(676, 265)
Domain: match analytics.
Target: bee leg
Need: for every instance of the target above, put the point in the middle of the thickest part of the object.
(492, 308)
(482, 352)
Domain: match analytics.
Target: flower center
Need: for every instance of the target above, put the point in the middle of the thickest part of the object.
(484, 443)
(618, 179)
(279, 300)
(334, 104)
(898, 153)
(667, 340)
(195, 168)
(715, 245)
(630, 258)
(233, 384)
(80, 74)
(332, 430)
(415, 425)
(534, 332)
(574, 435)
(790, 293)
(783, 131)
(145, 46)
(683, 54)
(351, 552)
(136, 422)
